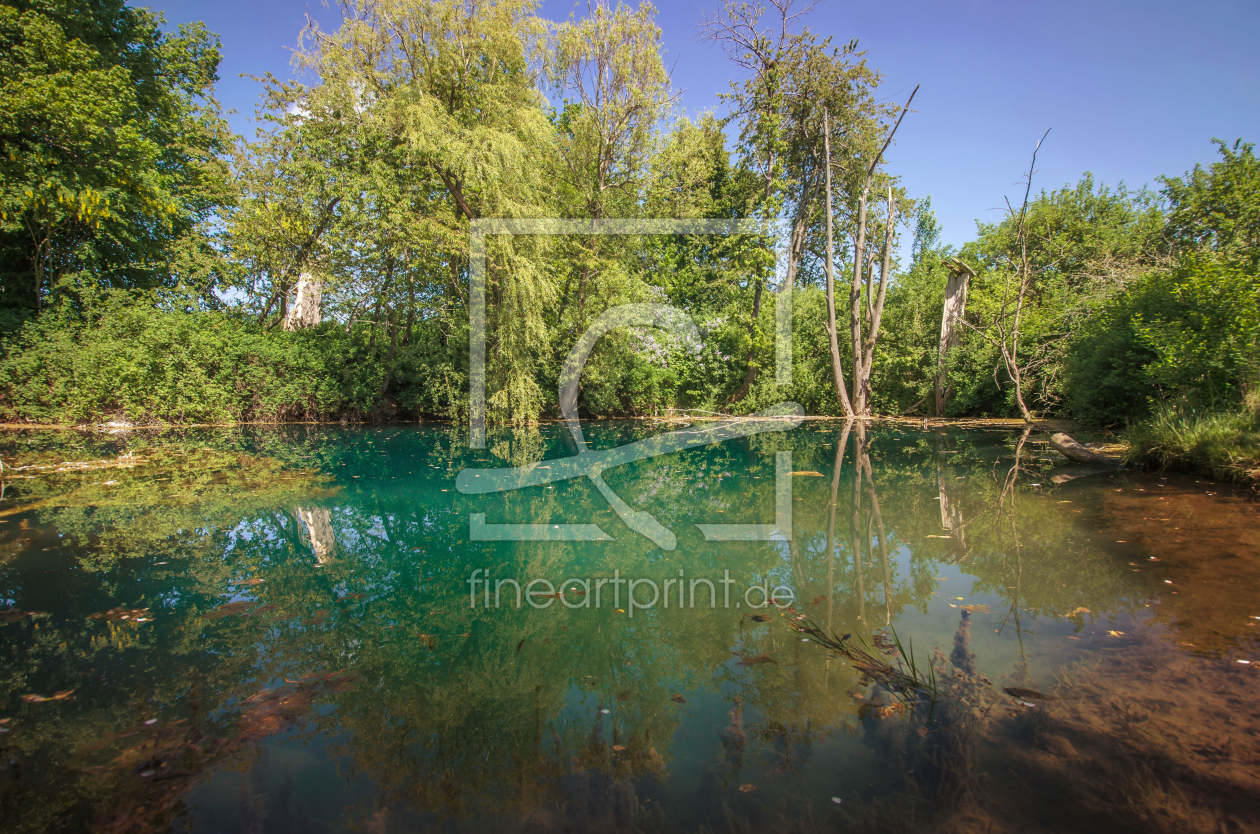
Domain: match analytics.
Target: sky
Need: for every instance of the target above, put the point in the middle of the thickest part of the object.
(1130, 89)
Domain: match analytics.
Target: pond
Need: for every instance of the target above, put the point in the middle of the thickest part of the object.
(319, 629)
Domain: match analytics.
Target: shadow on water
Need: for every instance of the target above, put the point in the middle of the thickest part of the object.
(274, 629)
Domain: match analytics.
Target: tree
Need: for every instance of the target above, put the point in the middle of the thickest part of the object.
(454, 84)
(795, 80)
(111, 145)
(1217, 207)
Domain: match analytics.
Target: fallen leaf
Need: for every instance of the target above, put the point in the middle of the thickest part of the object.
(618, 747)
(1020, 692)
(12, 615)
(753, 661)
(1076, 611)
(1116, 633)
(678, 699)
(228, 610)
(749, 788)
(63, 695)
(119, 614)
(244, 582)
(757, 618)
(518, 645)
(975, 609)
(819, 599)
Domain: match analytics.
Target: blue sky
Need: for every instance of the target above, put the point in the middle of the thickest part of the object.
(1131, 90)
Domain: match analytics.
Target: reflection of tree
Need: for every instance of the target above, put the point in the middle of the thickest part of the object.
(458, 711)
(319, 531)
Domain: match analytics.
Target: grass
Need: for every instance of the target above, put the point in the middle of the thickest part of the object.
(1225, 445)
(907, 682)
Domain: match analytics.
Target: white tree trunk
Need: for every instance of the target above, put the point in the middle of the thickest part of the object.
(954, 309)
(304, 312)
(318, 521)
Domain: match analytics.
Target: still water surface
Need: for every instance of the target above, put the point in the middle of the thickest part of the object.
(274, 631)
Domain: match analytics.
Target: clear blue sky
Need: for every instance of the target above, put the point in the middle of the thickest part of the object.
(1131, 88)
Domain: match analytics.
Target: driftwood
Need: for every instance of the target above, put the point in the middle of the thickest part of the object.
(1077, 453)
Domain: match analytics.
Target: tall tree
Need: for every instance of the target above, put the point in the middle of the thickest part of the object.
(456, 83)
(110, 146)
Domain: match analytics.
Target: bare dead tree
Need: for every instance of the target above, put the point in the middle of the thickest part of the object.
(1005, 330)
(842, 394)
(864, 350)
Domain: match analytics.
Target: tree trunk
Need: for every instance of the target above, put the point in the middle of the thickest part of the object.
(952, 313)
(305, 310)
(837, 369)
(318, 521)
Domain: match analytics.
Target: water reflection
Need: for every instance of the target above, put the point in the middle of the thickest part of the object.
(310, 653)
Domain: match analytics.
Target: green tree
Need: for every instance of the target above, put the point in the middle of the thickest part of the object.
(1217, 208)
(111, 147)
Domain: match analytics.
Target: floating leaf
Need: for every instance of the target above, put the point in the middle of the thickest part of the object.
(678, 699)
(753, 661)
(63, 695)
(747, 788)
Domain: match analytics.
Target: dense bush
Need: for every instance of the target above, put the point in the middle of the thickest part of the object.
(144, 358)
(1189, 337)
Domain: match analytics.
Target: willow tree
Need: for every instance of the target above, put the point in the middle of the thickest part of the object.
(455, 84)
(608, 69)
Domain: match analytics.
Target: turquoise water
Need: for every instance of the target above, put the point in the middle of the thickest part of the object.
(276, 631)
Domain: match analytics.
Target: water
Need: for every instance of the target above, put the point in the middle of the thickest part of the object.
(275, 630)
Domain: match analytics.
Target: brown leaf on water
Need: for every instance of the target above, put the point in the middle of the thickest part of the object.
(119, 614)
(518, 645)
(12, 615)
(619, 747)
(753, 661)
(1076, 611)
(1021, 692)
(758, 618)
(63, 695)
(229, 609)
(749, 788)
(974, 609)
(678, 699)
(819, 599)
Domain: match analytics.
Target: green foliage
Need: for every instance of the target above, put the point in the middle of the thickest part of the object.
(1217, 208)
(109, 147)
(143, 358)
